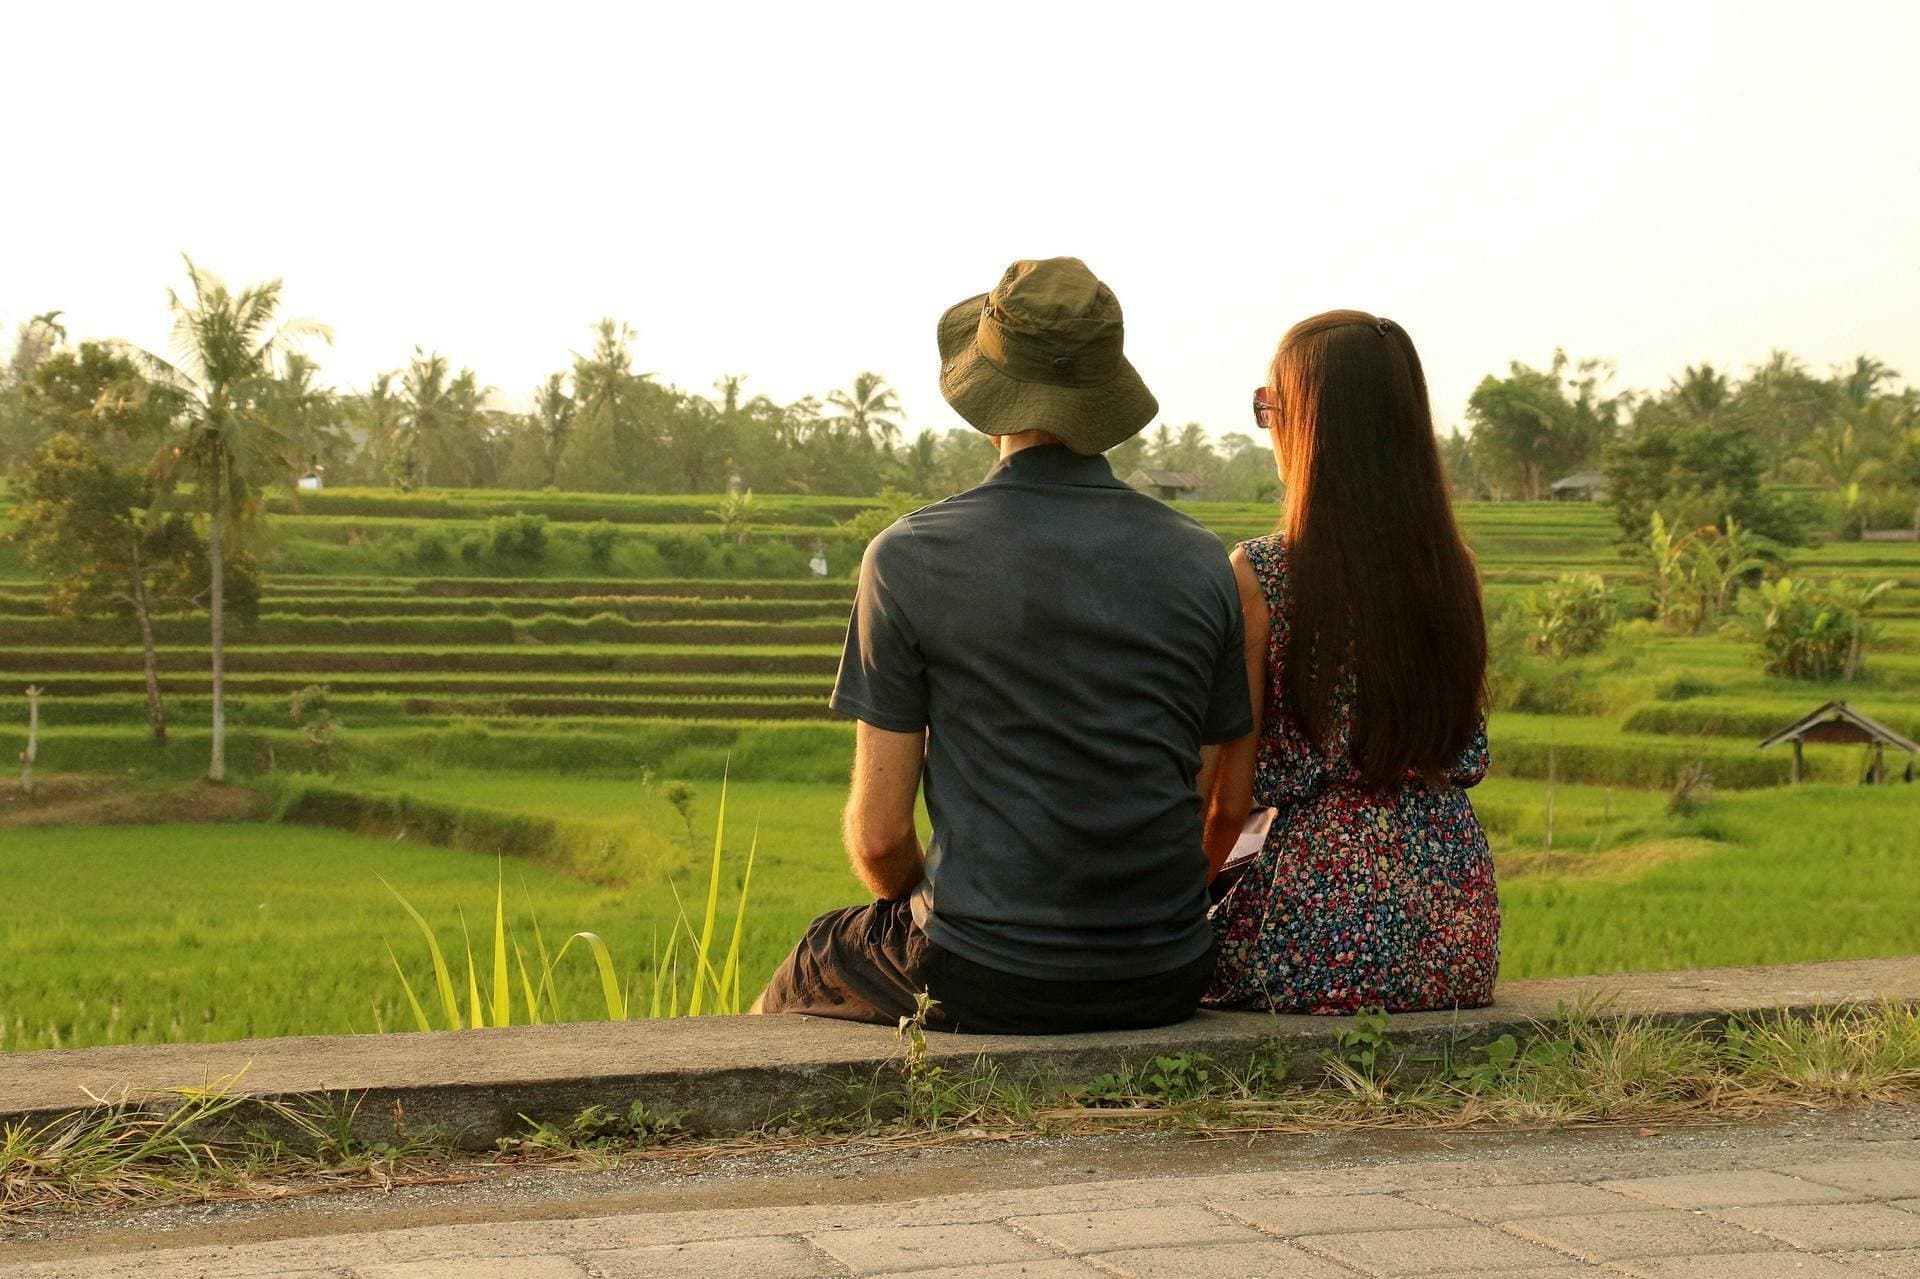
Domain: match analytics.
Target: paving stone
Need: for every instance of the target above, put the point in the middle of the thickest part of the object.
(547, 1267)
(1474, 1249)
(868, 1252)
(1568, 1271)
(1334, 1214)
(1752, 1265)
(1831, 1227)
(1267, 1260)
(1882, 1178)
(1658, 1232)
(1510, 1203)
(1083, 1232)
(1737, 1188)
(1883, 1265)
(1057, 1268)
(768, 1257)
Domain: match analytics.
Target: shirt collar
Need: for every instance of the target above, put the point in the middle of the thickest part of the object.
(1054, 464)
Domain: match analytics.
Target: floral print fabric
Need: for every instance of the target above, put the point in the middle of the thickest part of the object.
(1361, 897)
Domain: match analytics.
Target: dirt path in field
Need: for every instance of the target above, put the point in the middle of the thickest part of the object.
(94, 799)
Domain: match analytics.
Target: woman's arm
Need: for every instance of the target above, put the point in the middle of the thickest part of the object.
(1230, 798)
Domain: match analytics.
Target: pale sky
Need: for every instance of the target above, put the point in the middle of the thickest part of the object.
(795, 191)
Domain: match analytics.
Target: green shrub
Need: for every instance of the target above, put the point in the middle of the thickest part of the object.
(518, 537)
(1810, 631)
(430, 550)
(687, 554)
(1572, 615)
(602, 539)
(869, 524)
(1683, 687)
(473, 549)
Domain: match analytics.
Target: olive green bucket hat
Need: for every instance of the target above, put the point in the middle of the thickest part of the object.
(1042, 352)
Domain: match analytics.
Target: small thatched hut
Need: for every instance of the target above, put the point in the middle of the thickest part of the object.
(1839, 723)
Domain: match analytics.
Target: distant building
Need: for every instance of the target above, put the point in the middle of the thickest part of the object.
(1581, 486)
(311, 483)
(1838, 723)
(1168, 486)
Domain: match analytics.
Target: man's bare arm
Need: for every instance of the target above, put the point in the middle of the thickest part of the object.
(882, 840)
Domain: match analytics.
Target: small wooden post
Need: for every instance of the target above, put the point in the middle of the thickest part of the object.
(1795, 774)
(1546, 848)
(33, 741)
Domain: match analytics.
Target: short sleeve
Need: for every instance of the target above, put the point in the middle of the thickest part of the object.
(883, 672)
(1471, 770)
(1229, 713)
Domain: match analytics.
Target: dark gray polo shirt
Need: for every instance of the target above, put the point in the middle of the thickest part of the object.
(1071, 644)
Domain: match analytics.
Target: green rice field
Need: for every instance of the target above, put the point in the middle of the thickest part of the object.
(524, 722)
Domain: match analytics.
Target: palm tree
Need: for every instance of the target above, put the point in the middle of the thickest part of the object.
(1700, 393)
(870, 408)
(1840, 453)
(553, 408)
(227, 345)
(1860, 381)
(442, 419)
(375, 415)
(38, 338)
(607, 391)
(1160, 447)
(307, 410)
(922, 464)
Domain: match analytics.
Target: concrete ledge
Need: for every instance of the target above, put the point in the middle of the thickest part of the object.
(733, 1074)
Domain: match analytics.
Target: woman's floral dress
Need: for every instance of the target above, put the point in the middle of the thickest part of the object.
(1361, 897)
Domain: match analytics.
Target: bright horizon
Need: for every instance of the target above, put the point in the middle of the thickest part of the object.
(756, 191)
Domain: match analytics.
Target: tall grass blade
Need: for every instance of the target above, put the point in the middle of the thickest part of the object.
(526, 988)
(413, 1001)
(442, 975)
(473, 977)
(730, 975)
(701, 969)
(666, 977)
(609, 979)
(546, 961)
(705, 942)
(502, 992)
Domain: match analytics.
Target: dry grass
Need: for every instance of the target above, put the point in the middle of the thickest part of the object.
(92, 799)
(1619, 863)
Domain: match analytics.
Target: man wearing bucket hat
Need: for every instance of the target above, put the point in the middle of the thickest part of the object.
(1056, 656)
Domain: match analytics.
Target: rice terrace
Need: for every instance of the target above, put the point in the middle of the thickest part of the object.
(422, 706)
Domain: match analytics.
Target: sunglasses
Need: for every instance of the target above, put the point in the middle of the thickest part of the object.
(1262, 408)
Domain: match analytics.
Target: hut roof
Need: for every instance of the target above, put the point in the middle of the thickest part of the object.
(1840, 713)
(1581, 480)
(1165, 479)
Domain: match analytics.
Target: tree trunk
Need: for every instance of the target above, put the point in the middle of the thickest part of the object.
(216, 627)
(143, 614)
(28, 755)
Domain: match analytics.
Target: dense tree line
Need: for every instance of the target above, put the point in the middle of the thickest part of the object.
(1706, 446)
(1707, 440)
(599, 424)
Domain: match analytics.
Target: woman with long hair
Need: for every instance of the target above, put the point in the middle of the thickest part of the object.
(1366, 659)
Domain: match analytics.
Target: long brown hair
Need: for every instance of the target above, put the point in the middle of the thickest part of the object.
(1380, 586)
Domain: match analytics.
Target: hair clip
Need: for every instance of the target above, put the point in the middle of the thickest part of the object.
(1381, 325)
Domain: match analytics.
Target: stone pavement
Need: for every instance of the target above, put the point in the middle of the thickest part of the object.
(1755, 1205)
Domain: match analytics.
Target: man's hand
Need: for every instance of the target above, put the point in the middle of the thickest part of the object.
(882, 841)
